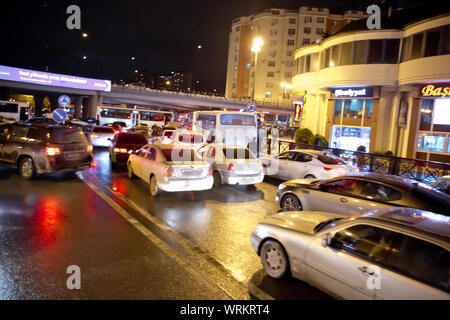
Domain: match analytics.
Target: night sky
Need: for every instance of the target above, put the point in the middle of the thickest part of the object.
(162, 35)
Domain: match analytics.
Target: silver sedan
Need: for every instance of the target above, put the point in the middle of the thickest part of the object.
(393, 253)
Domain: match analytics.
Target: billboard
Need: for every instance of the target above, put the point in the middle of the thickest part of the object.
(53, 79)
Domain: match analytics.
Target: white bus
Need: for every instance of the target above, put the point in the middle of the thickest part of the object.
(228, 127)
(16, 111)
(107, 114)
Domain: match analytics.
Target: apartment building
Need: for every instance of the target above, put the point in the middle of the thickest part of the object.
(283, 31)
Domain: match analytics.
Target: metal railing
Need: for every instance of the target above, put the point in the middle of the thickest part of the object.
(416, 169)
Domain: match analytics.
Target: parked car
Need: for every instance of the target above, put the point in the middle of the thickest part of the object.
(122, 145)
(44, 148)
(443, 184)
(355, 193)
(234, 165)
(392, 253)
(306, 164)
(171, 168)
(101, 136)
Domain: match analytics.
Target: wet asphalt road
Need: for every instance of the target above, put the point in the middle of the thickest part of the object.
(195, 244)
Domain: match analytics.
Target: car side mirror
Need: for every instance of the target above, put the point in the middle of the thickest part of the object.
(326, 239)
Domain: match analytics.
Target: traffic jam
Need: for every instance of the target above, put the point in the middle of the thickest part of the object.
(332, 226)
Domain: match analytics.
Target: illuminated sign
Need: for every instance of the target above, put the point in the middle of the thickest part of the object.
(53, 79)
(435, 90)
(353, 92)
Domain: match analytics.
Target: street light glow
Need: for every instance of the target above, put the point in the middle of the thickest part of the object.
(84, 35)
(256, 49)
(283, 84)
(258, 42)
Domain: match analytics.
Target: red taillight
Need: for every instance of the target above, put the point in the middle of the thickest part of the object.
(168, 172)
(51, 151)
(328, 169)
(116, 132)
(231, 167)
(89, 148)
(120, 150)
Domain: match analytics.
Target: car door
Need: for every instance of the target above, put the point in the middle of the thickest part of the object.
(4, 130)
(138, 162)
(149, 164)
(415, 269)
(348, 266)
(298, 168)
(283, 162)
(373, 196)
(334, 196)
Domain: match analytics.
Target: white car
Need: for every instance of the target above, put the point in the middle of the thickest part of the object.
(393, 253)
(306, 164)
(234, 165)
(101, 136)
(171, 168)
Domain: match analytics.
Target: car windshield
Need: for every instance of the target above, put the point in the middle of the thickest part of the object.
(129, 138)
(330, 159)
(325, 224)
(237, 120)
(103, 130)
(237, 154)
(181, 155)
(67, 136)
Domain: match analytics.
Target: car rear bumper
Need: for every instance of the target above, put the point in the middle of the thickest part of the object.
(175, 185)
(48, 164)
(242, 179)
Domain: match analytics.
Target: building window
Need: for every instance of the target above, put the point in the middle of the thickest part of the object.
(426, 115)
(391, 50)
(273, 32)
(416, 51)
(288, 75)
(432, 44)
(300, 65)
(270, 74)
(334, 60)
(320, 9)
(320, 20)
(306, 41)
(290, 42)
(291, 32)
(271, 63)
(272, 53)
(307, 30)
(292, 21)
(375, 48)
(346, 53)
(289, 53)
(319, 31)
(307, 63)
(268, 94)
(289, 63)
(360, 50)
(238, 28)
(308, 19)
(273, 43)
(269, 84)
(308, 9)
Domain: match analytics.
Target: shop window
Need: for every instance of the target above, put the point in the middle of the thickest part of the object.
(350, 138)
(346, 53)
(376, 46)
(430, 142)
(426, 113)
(441, 115)
(337, 108)
(416, 50)
(432, 43)
(353, 109)
(368, 109)
(391, 51)
(360, 52)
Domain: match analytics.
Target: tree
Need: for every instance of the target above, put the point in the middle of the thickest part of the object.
(303, 136)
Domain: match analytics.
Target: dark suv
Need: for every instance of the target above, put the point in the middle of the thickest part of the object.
(44, 148)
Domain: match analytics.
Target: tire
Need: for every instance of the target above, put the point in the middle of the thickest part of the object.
(310, 176)
(274, 259)
(291, 203)
(217, 179)
(154, 190)
(27, 169)
(131, 174)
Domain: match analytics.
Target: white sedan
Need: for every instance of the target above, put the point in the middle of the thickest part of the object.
(171, 168)
(306, 164)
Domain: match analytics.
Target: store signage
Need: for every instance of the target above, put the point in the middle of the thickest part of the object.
(435, 90)
(353, 92)
(53, 79)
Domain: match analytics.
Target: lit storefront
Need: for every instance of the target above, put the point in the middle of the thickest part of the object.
(433, 134)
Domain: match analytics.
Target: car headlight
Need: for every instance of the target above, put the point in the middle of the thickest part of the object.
(281, 186)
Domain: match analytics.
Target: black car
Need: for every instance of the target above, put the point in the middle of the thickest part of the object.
(44, 148)
(123, 144)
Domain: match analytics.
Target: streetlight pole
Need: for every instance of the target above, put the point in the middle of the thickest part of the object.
(257, 43)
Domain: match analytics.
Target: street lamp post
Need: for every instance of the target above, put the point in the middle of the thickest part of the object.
(257, 43)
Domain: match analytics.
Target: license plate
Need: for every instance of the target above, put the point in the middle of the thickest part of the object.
(190, 173)
(71, 156)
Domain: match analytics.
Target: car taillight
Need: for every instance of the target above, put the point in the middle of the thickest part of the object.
(116, 132)
(328, 169)
(231, 167)
(168, 172)
(89, 148)
(120, 150)
(210, 171)
(51, 151)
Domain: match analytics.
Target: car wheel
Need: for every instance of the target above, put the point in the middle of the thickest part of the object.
(217, 179)
(291, 203)
(274, 259)
(310, 176)
(27, 169)
(154, 190)
(131, 174)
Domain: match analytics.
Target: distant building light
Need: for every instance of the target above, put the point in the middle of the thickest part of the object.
(84, 57)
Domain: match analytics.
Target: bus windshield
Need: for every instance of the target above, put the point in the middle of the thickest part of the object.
(236, 119)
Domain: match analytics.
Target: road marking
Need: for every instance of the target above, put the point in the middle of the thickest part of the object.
(160, 243)
(186, 244)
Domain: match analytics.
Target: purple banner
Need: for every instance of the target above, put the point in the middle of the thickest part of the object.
(53, 79)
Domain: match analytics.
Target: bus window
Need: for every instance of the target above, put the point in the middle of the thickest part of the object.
(208, 122)
(237, 120)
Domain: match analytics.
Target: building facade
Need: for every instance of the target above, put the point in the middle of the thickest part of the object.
(282, 31)
(386, 90)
